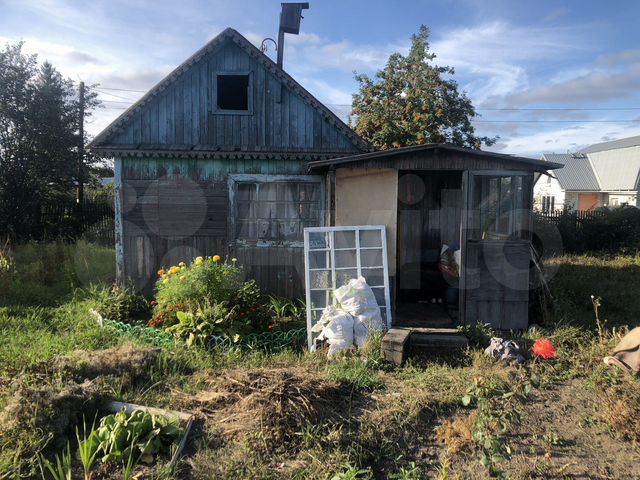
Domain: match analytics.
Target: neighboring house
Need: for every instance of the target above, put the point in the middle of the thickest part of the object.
(602, 175)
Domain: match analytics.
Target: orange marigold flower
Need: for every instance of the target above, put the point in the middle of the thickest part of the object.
(544, 348)
(161, 272)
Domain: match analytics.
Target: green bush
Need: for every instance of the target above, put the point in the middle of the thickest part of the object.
(608, 230)
(206, 298)
(123, 305)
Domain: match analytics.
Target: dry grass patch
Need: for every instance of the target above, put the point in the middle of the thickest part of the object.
(276, 403)
(619, 409)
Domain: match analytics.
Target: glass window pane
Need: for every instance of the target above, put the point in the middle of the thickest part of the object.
(280, 209)
(245, 191)
(370, 238)
(345, 239)
(498, 203)
(346, 258)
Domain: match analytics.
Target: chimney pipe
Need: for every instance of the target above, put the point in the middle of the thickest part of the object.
(290, 16)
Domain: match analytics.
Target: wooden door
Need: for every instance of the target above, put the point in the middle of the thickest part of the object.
(496, 240)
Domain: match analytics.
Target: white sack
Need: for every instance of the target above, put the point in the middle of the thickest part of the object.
(357, 298)
(337, 330)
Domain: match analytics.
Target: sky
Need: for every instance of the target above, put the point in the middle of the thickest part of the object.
(545, 76)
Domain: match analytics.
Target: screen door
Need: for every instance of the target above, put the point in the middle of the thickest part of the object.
(335, 255)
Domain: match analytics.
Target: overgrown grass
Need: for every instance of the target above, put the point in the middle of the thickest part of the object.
(388, 424)
(48, 274)
(612, 278)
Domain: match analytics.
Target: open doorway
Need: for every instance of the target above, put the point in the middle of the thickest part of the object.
(429, 220)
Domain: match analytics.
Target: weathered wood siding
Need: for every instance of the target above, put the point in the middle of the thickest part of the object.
(184, 114)
(174, 210)
(497, 284)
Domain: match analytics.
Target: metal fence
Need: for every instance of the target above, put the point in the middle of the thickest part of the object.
(576, 216)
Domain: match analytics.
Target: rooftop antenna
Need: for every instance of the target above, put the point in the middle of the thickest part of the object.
(290, 17)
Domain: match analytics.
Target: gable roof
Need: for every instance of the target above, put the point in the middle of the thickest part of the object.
(612, 145)
(101, 141)
(432, 148)
(576, 173)
(617, 169)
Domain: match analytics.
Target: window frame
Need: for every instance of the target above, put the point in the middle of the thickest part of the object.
(475, 230)
(235, 179)
(216, 108)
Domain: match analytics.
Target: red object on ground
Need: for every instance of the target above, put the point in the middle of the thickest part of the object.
(544, 348)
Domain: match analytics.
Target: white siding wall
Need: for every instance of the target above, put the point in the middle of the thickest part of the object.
(547, 186)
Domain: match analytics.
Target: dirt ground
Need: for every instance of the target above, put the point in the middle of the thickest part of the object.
(559, 437)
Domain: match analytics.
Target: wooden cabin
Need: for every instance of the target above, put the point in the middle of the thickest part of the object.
(213, 160)
(432, 196)
(229, 155)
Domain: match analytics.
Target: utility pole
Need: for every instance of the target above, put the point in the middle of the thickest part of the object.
(80, 192)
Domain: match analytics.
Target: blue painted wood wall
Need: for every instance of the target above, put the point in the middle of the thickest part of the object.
(185, 113)
(173, 207)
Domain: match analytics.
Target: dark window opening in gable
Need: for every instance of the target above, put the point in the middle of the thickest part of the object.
(233, 92)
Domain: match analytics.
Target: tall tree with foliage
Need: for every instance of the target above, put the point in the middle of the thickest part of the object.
(412, 101)
(39, 120)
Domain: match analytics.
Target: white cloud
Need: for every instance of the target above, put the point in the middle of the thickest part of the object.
(565, 139)
(496, 55)
(594, 87)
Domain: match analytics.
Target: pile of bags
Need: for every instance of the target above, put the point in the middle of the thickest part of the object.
(352, 320)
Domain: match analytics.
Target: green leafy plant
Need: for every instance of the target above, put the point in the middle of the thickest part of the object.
(479, 334)
(352, 472)
(286, 314)
(123, 304)
(412, 472)
(211, 320)
(152, 434)
(87, 448)
(61, 470)
(132, 461)
(497, 408)
(209, 284)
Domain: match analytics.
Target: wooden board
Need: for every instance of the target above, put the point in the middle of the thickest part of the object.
(186, 113)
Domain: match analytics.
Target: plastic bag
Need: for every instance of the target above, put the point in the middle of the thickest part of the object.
(336, 329)
(358, 299)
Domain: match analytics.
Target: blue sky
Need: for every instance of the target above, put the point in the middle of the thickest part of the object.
(546, 76)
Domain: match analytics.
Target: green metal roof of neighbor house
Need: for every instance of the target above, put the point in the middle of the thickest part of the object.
(524, 162)
(576, 174)
(612, 145)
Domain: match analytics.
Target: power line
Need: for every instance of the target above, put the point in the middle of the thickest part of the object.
(624, 120)
(114, 95)
(557, 109)
(122, 89)
(564, 109)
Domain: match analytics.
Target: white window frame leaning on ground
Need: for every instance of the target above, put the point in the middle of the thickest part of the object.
(331, 259)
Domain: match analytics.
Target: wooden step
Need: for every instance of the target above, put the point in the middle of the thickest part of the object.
(398, 341)
(438, 341)
(395, 344)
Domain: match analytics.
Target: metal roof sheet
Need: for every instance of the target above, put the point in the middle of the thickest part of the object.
(617, 169)
(577, 173)
(612, 145)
